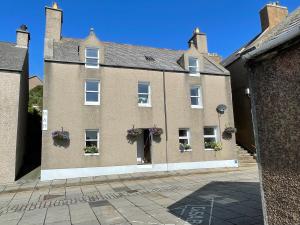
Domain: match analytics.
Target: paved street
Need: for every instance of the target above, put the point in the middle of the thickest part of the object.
(220, 198)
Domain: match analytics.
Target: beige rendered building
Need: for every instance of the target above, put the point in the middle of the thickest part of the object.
(34, 81)
(105, 105)
(13, 104)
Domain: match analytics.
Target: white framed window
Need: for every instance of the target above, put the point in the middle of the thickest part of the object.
(196, 96)
(144, 94)
(194, 66)
(92, 138)
(92, 57)
(92, 92)
(210, 137)
(184, 139)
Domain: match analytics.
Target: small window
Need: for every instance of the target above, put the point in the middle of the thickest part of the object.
(210, 137)
(92, 57)
(144, 94)
(184, 139)
(194, 66)
(92, 92)
(196, 99)
(92, 138)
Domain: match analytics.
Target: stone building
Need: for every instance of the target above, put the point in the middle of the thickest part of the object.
(275, 93)
(270, 16)
(34, 81)
(105, 105)
(13, 104)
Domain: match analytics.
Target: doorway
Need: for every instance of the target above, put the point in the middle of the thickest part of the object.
(144, 148)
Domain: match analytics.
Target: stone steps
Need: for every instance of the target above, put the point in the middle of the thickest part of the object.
(245, 158)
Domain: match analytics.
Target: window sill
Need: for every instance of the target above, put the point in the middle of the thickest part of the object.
(187, 150)
(91, 154)
(209, 149)
(146, 106)
(92, 67)
(194, 74)
(92, 103)
(196, 107)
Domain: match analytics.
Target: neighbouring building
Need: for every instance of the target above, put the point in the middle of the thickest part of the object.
(275, 94)
(104, 103)
(13, 104)
(270, 16)
(34, 81)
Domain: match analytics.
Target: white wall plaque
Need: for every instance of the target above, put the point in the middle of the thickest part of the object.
(45, 120)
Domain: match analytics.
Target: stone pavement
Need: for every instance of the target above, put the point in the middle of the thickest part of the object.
(218, 198)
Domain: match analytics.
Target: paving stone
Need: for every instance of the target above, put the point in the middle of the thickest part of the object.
(82, 213)
(57, 214)
(35, 217)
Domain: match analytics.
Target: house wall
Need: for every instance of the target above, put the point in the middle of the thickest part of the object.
(241, 105)
(119, 111)
(33, 82)
(9, 110)
(276, 96)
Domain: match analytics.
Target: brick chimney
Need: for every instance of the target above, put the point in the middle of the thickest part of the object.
(272, 14)
(54, 18)
(199, 40)
(23, 36)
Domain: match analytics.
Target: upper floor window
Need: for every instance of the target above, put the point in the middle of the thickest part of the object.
(194, 66)
(196, 98)
(210, 137)
(144, 94)
(92, 57)
(92, 92)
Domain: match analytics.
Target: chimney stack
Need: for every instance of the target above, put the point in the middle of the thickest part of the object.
(271, 15)
(23, 36)
(54, 19)
(199, 40)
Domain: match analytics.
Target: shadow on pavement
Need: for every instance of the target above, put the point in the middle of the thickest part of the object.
(221, 203)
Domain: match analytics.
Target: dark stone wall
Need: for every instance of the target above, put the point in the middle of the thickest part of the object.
(275, 86)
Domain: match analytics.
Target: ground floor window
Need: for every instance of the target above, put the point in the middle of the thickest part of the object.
(184, 139)
(210, 137)
(91, 141)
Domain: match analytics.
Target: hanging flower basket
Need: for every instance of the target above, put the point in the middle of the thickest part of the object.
(230, 130)
(156, 131)
(60, 135)
(134, 132)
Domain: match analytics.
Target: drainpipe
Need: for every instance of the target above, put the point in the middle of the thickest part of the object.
(166, 123)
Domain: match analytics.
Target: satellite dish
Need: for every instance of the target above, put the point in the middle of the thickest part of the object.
(221, 108)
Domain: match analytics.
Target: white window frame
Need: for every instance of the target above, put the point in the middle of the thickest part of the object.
(215, 135)
(86, 57)
(197, 74)
(85, 91)
(188, 137)
(85, 140)
(199, 96)
(148, 104)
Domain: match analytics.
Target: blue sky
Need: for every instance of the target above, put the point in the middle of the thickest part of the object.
(158, 23)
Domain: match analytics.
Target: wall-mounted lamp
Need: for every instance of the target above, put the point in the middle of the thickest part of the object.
(247, 91)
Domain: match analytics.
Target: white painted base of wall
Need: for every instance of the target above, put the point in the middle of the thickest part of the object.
(98, 171)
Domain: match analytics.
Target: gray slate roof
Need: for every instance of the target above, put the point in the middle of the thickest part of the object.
(67, 50)
(291, 22)
(11, 57)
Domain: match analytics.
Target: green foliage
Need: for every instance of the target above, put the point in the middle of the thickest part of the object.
(35, 103)
(91, 149)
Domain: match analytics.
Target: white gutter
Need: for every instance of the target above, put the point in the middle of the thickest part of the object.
(281, 39)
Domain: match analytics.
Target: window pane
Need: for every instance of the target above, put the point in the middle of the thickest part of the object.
(91, 97)
(91, 143)
(91, 134)
(209, 131)
(143, 98)
(92, 85)
(208, 142)
(143, 88)
(194, 91)
(92, 52)
(183, 141)
(91, 62)
(193, 61)
(182, 133)
(193, 70)
(194, 100)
